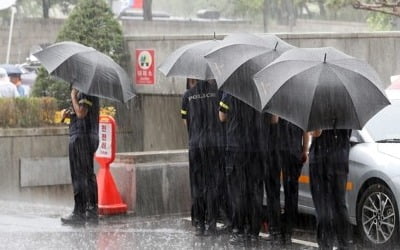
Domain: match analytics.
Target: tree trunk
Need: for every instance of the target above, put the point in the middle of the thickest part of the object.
(265, 16)
(147, 12)
(289, 13)
(46, 7)
(321, 6)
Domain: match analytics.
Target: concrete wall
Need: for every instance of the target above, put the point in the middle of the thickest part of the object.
(34, 168)
(379, 49)
(154, 182)
(160, 103)
(28, 32)
(19, 146)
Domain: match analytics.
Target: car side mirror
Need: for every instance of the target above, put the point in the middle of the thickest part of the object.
(354, 140)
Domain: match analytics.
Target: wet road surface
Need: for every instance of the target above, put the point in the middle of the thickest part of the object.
(28, 226)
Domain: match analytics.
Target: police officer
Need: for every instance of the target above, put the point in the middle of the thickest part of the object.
(200, 114)
(288, 153)
(243, 168)
(329, 166)
(259, 134)
(83, 142)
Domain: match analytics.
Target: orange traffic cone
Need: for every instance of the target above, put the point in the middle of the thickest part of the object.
(109, 200)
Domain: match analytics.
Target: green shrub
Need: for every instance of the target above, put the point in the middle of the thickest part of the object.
(27, 112)
(47, 86)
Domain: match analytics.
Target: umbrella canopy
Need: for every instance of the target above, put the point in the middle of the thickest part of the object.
(11, 69)
(88, 70)
(238, 57)
(321, 88)
(188, 61)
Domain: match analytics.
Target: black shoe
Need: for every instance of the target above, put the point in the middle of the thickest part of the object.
(210, 230)
(236, 239)
(224, 229)
(268, 237)
(325, 246)
(199, 230)
(73, 219)
(92, 216)
(277, 240)
(287, 239)
(346, 245)
(253, 239)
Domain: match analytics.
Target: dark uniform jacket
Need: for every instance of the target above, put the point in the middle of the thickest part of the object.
(89, 124)
(287, 137)
(332, 147)
(242, 125)
(200, 109)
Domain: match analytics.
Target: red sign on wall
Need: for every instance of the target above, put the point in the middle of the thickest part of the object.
(144, 68)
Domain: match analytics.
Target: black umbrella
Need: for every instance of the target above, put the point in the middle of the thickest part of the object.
(188, 61)
(88, 70)
(238, 57)
(321, 88)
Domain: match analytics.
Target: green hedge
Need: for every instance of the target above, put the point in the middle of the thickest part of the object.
(27, 112)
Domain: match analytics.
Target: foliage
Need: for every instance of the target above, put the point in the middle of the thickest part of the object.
(27, 112)
(375, 19)
(46, 85)
(105, 110)
(337, 4)
(39, 8)
(248, 7)
(91, 23)
(379, 21)
(108, 110)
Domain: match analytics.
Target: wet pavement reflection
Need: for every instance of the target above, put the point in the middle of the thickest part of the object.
(27, 226)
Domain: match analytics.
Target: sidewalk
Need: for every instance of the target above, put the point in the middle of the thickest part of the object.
(29, 226)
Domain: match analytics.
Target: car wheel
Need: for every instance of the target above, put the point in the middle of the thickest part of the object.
(377, 216)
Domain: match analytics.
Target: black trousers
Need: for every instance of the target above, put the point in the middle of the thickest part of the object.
(290, 166)
(205, 172)
(328, 189)
(223, 197)
(84, 183)
(244, 175)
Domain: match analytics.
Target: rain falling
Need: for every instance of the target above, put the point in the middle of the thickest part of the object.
(173, 124)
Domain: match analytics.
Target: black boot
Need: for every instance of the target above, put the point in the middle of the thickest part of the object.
(92, 215)
(73, 219)
(237, 237)
(287, 239)
(253, 240)
(200, 229)
(210, 230)
(277, 239)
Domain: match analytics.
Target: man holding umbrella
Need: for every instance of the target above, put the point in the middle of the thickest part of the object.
(244, 168)
(329, 166)
(289, 147)
(200, 114)
(324, 88)
(84, 140)
(95, 75)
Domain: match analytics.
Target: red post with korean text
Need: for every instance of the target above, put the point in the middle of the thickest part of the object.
(109, 199)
